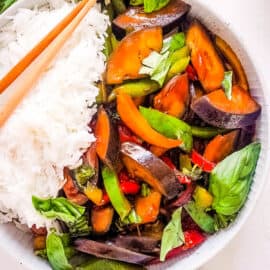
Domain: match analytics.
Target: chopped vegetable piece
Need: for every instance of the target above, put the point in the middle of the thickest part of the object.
(71, 191)
(184, 197)
(178, 67)
(203, 199)
(126, 60)
(94, 194)
(232, 58)
(5, 4)
(147, 208)
(192, 239)
(107, 144)
(227, 84)
(101, 219)
(169, 126)
(130, 115)
(135, 18)
(215, 109)
(172, 235)
(145, 190)
(191, 72)
(174, 97)
(56, 253)
(147, 167)
(126, 135)
(204, 57)
(203, 220)
(134, 89)
(206, 132)
(153, 5)
(83, 174)
(200, 161)
(136, 243)
(117, 198)
(39, 242)
(158, 151)
(231, 179)
(110, 251)
(98, 264)
(221, 146)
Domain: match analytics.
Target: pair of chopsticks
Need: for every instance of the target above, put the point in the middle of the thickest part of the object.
(50, 45)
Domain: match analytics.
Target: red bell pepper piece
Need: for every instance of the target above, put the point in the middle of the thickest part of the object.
(193, 238)
(183, 179)
(191, 72)
(41, 231)
(203, 163)
(126, 135)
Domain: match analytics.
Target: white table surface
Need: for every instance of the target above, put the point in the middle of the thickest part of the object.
(250, 249)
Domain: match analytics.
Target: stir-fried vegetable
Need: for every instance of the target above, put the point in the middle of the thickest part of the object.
(164, 172)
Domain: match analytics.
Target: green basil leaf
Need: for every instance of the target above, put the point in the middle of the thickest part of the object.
(230, 180)
(169, 126)
(60, 208)
(173, 235)
(203, 220)
(105, 264)
(153, 5)
(227, 84)
(174, 43)
(5, 4)
(56, 253)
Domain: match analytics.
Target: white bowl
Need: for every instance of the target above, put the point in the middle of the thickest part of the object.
(19, 245)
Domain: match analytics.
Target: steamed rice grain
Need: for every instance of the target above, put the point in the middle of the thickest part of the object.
(49, 129)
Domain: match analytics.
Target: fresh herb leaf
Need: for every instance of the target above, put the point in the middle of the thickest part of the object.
(230, 180)
(227, 84)
(169, 126)
(157, 65)
(203, 220)
(173, 43)
(153, 5)
(5, 4)
(105, 264)
(56, 252)
(172, 236)
(60, 208)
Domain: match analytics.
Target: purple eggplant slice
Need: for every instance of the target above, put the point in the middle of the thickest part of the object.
(111, 251)
(149, 168)
(137, 243)
(135, 18)
(217, 110)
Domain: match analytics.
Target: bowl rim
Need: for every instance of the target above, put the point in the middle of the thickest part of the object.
(246, 211)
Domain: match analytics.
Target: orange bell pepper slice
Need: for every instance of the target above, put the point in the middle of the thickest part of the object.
(131, 116)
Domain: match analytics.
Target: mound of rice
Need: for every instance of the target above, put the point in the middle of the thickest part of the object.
(49, 130)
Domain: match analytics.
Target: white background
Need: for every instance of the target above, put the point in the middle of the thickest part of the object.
(250, 249)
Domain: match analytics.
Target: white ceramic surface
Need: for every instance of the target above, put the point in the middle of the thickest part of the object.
(251, 49)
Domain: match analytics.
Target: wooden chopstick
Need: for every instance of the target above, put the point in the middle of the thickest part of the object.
(40, 65)
(40, 47)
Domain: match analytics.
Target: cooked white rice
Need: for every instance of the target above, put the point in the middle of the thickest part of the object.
(49, 129)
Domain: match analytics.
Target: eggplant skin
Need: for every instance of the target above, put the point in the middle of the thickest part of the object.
(217, 118)
(110, 251)
(143, 164)
(135, 18)
(137, 243)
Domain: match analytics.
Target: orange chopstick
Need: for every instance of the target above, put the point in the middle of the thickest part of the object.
(40, 65)
(39, 48)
